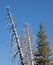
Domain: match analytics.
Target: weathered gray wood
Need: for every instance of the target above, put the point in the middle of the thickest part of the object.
(16, 37)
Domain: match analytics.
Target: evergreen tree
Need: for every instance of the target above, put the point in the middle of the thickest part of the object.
(42, 54)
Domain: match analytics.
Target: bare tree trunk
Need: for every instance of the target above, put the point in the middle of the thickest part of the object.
(16, 37)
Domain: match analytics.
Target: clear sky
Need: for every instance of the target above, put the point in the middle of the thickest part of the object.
(31, 11)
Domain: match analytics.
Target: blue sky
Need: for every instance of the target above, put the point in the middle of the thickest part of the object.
(31, 11)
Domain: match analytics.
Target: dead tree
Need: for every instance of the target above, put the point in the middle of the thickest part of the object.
(26, 44)
(16, 37)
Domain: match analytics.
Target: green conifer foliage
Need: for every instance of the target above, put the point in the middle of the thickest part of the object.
(42, 55)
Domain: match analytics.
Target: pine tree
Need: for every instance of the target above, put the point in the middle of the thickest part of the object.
(42, 54)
